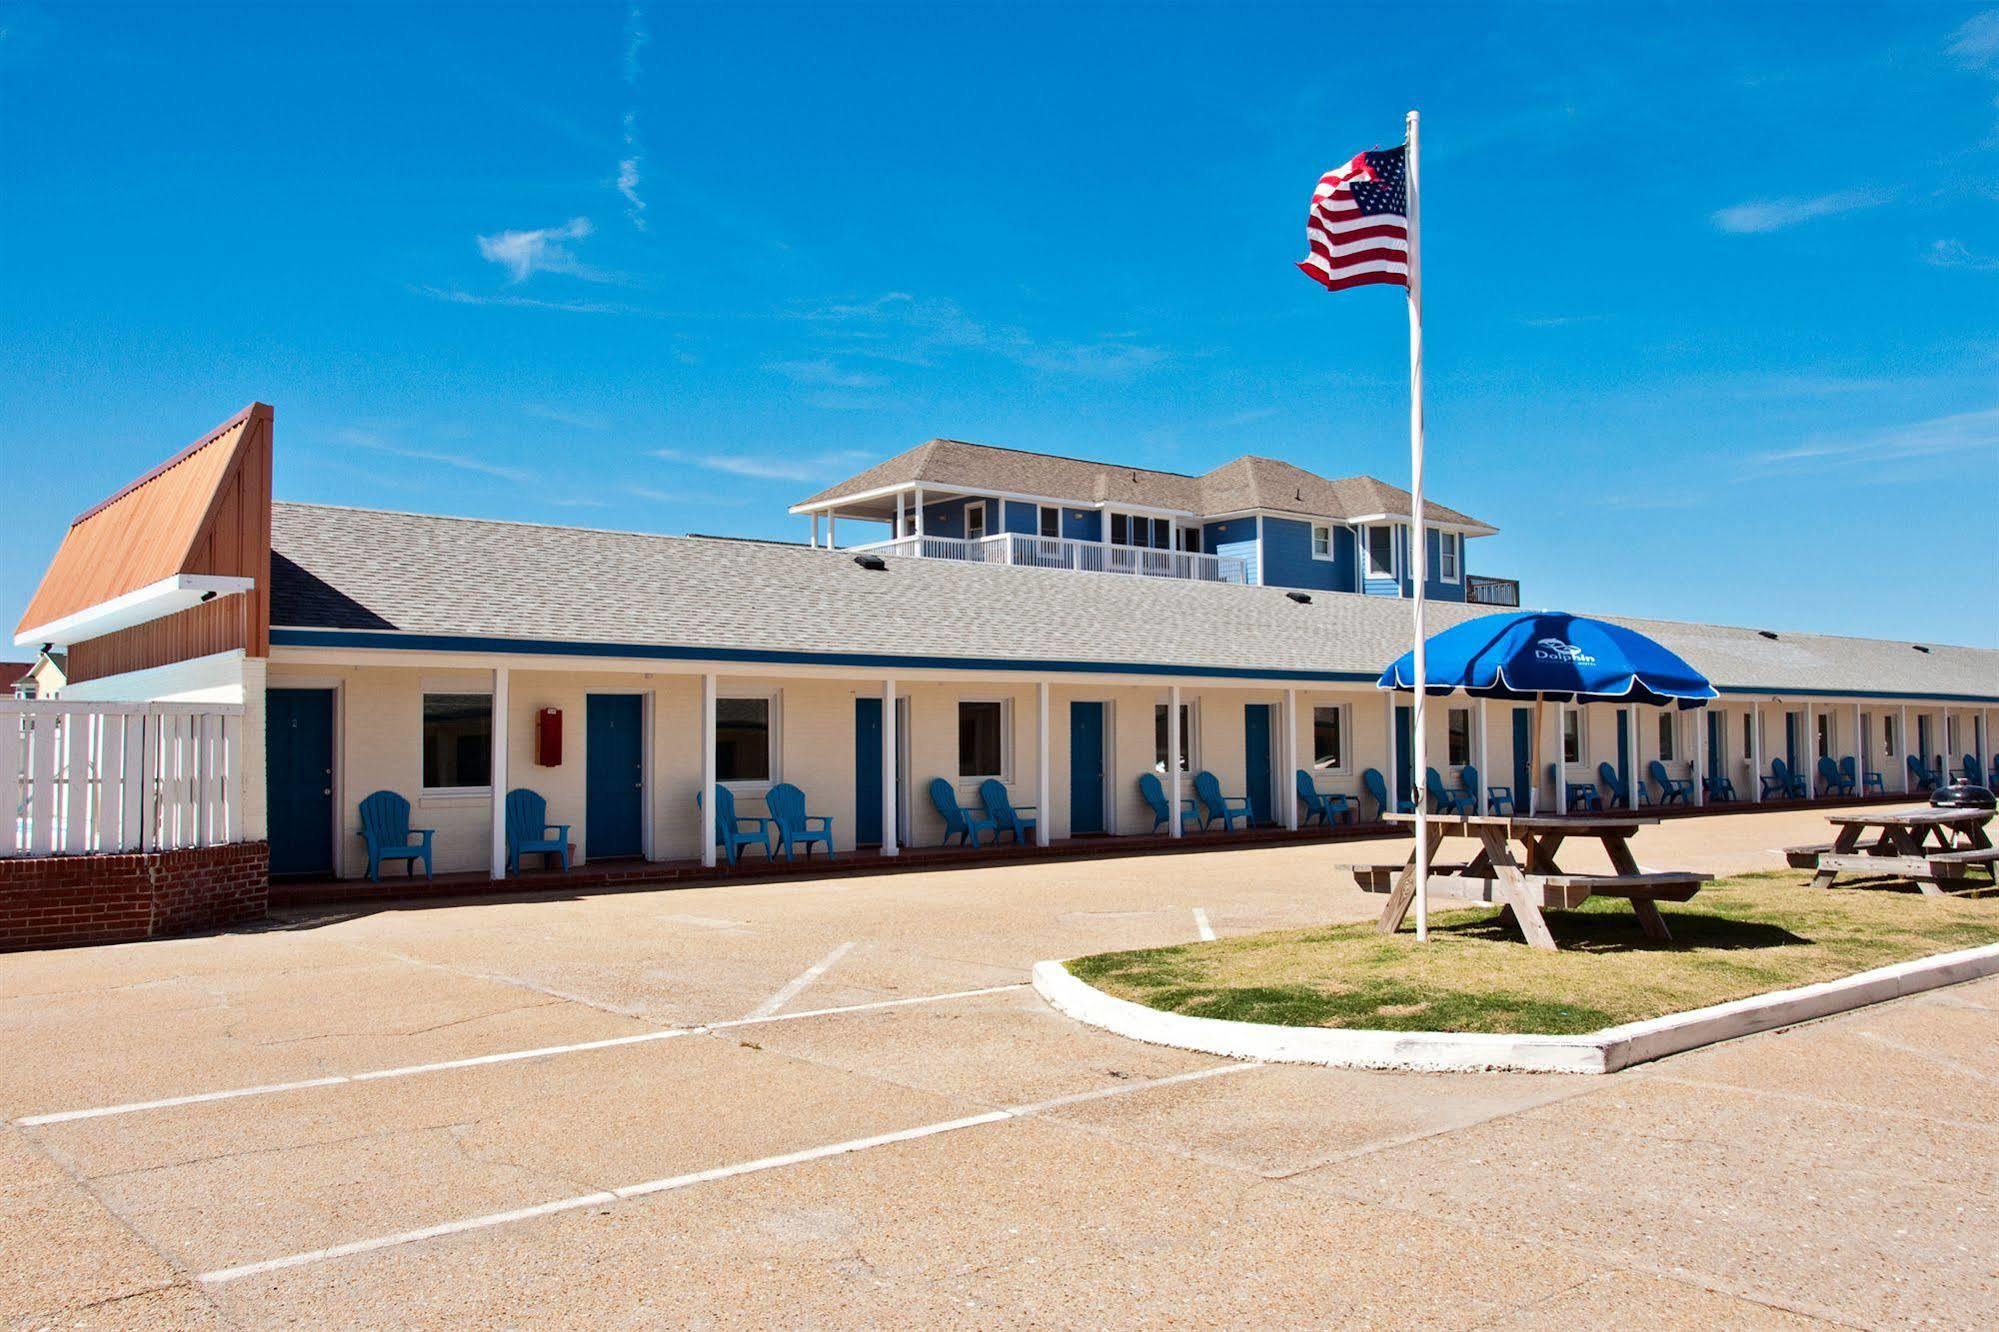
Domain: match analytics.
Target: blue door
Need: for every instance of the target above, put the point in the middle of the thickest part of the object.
(1256, 760)
(1405, 756)
(1523, 760)
(1717, 739)
(1791, 742)
(614, 777)
(298, 776)
(867, 772)
(1623, 751)
(1086, 769)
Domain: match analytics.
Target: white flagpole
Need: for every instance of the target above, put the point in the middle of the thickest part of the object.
(1419, 543)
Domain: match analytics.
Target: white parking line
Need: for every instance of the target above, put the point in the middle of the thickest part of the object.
(799, 982)
(503, 1057)
(1201, 924)
(672, 1182)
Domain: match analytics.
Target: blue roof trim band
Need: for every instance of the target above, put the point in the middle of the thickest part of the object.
(659, 652)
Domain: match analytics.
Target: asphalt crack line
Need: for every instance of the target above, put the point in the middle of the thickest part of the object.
(646, 1188)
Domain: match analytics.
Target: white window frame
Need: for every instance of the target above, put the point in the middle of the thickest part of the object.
(1042, 513)
(1891, 736)
(1450, 557)
(985, 512)
(425, 689)
(1669, 736)
(1344, 761)
(1322, 530)
(1451, 714)
(775, 698)
(1371, 570)
(1575, 715)
(1190, 738)
(1005, 774)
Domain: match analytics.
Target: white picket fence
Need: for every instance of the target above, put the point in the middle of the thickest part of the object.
(96, 777)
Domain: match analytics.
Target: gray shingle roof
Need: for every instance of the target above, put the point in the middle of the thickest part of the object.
(1247, 483)
(368, 569)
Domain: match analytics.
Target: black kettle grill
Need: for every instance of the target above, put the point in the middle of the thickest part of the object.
(1963, 795)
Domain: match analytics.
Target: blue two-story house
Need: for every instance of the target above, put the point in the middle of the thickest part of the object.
(1254, 520)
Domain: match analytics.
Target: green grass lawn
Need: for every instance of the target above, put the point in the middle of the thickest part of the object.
(1740, 936)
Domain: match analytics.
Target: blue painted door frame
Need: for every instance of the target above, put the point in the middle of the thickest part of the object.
(1405, 754)
(868, 771)
(298, 775)
(1256, 760)
(1717, 740)
(1523, 762)
(1623, 751)
(614, 776)
(1086, 769)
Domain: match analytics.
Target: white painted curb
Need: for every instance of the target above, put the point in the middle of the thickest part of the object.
(1603, 1051)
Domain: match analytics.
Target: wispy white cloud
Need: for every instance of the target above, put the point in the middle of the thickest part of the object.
(1109, 358)
(636, 37)
(1563, 321)
(580, 420)
(823, 372)
(457, 296)
(464, 462)
(1250, 417)
(578, 502)
(1975, 432)
(542, 250)
(1976, 44)
(1760, 215)
(898, 326)
(768, 467)
(1956, 254)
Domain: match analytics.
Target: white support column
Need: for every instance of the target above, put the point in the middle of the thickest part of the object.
(1700, 755)
(1562, 755)
(1173, 742)
(708, 770)
(919, 513)
(1484, 761)
(832, 531)
(1859, 754)
(815, 531)
(499, 772)
(1808, 756)
(1755, 792)
(891, 835)
(1637, 758)
(1287, 789)
(1901, 749)
(1394, 754)
(1044, 814)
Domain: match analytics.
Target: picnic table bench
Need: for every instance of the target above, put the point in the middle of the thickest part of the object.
(1930, 847)
(1496, 875)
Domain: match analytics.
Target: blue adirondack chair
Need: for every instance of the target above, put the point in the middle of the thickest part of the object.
(1328, 809)
(1377, 787)
(1871, 782)
(733, 832)
(1832, 780)
(1973, 773)
(1498, 799)
(1446, 801)
(1003, 812)
(1615, 796)
(1925, 779)
(385, 826)
(959, 822)
(1719, 790)
(1215, 805)
(1671, 788)
(528, 830)
(1582, 795)
(796, 828)
(1154, 792)
(1781, 781)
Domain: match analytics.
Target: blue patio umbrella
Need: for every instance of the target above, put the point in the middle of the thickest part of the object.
(1542, 657)
(1551, 656)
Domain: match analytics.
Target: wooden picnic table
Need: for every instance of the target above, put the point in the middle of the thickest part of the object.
(1526, 889)
(1928, 846)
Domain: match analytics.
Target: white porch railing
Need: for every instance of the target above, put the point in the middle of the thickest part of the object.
(1039, 552)
(78, 777)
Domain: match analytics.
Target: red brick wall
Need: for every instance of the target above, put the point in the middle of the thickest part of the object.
(55, 901)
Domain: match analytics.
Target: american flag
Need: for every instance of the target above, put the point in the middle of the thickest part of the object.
(1359, 224)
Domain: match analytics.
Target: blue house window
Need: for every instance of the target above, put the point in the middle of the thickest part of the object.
(1449, 555)
(1322, 542)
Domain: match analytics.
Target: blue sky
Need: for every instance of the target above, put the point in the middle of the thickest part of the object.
(1712, 294)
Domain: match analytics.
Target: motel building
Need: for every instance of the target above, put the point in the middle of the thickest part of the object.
(957, 613)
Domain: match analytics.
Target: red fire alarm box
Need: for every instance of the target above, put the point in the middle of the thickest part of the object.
(548, 738)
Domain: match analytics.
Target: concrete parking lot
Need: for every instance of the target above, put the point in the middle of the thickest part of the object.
(836, 1103)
